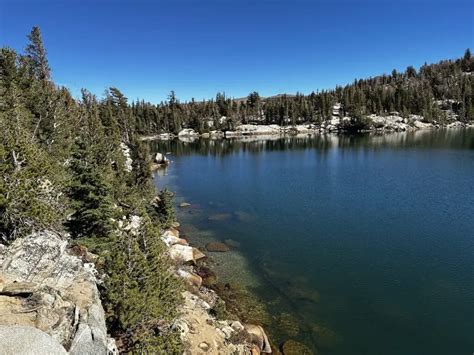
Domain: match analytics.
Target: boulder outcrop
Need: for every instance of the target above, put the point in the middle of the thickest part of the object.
(44, 286)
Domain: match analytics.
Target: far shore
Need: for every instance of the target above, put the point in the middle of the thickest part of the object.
(387, 125)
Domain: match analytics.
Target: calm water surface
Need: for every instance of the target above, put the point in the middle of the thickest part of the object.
(355, 244)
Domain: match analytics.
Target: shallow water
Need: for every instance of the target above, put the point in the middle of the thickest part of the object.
(355, 244)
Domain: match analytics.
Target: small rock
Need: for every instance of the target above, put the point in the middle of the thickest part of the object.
(204, 346)
(237, 326)
(161, 159)
(217, 247)
(227, 331)
(182, 327)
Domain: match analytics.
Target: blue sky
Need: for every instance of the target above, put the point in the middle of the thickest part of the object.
(147, 48)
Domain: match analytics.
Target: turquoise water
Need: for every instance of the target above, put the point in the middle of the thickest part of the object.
(354, 244)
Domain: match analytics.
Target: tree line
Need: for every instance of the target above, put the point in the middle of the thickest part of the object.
(434, 91)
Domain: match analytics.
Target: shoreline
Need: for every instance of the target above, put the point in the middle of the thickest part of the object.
(206, 323)
(389, 124)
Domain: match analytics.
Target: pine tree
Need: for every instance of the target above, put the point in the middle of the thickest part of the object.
(36, 54)
(91, 195)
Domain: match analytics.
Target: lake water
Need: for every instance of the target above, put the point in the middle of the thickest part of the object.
(353, 244)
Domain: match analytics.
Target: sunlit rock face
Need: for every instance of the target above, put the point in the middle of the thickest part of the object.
(44, 286)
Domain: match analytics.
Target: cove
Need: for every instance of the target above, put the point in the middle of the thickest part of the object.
(357, 244)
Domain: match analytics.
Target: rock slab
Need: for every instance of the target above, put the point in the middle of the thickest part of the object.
(26, 340)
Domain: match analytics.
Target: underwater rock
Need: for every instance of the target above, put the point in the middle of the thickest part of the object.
(219, 217)
(209, 278)
(325, 337)
(232, 243)
(292, 347)
(217, 247)
(244, 216)
(304, 293)
(288, 324)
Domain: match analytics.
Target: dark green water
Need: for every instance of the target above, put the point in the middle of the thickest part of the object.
(356, 245)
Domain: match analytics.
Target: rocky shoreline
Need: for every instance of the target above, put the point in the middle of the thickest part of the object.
(378, 124)
(203, 327)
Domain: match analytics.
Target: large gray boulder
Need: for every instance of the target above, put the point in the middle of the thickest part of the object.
(15, 340)
(161, 159)
(43, 285)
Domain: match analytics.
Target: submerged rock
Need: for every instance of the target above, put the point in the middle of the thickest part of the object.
(209, 277)
(232, 243)
(288, 324)
(292, 347)
(217, 247)
(325, 337)
(219, 217)
(244, 216)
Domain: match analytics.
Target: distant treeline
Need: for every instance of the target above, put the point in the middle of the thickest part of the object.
(433, 91)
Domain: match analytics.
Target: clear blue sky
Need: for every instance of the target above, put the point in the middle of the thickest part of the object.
(147, 48)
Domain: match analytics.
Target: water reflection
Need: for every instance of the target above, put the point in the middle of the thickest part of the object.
(423, 139)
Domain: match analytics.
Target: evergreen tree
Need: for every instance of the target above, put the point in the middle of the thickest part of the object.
(36, 54)
(91, 195)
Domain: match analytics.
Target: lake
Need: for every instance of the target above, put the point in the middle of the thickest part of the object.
(353, 244)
